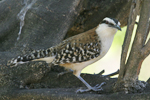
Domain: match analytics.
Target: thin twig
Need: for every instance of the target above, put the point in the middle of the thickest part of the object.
(100, 73)
(112, 74)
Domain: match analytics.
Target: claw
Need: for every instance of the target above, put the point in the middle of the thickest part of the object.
(100, 85)
(82, 91)
(96, 85)
(96, 88)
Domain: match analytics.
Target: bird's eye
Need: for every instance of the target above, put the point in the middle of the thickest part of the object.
(106, 22)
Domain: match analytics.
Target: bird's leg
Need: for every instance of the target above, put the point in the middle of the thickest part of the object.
(96, 88)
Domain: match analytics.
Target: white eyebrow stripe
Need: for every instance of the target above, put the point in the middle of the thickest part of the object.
(119, 23)
(110, 20)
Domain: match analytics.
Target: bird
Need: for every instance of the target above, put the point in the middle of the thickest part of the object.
(79, 51)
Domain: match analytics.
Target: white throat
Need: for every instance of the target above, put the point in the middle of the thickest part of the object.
(106, 36)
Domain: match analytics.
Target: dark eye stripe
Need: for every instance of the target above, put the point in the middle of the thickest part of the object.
(111, 24)
(104, 21)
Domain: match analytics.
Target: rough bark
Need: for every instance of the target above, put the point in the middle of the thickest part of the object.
(146, 49)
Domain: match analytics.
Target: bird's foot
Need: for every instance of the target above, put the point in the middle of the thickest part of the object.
(96, 88)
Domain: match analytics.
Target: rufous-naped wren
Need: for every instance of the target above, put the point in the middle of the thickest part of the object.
(79, 51)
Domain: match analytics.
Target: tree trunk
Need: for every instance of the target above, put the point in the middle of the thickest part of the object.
(130, 67)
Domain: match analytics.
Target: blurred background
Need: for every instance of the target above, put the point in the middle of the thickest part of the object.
(111, 61)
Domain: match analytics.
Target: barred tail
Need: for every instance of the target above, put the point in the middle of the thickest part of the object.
(39, 55)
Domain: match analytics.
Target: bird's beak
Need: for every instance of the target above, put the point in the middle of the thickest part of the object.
(118, 27)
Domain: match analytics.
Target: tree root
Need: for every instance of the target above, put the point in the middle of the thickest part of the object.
(130, 86)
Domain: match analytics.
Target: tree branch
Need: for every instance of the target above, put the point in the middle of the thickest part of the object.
(146, 49)
(135, 59)
(112, 74)
(145, 24)
(131, 21)
(146, 36)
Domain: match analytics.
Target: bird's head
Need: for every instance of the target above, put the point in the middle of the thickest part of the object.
(112, 23)
(108, 27)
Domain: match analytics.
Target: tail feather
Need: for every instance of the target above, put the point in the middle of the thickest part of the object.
(44, 55)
